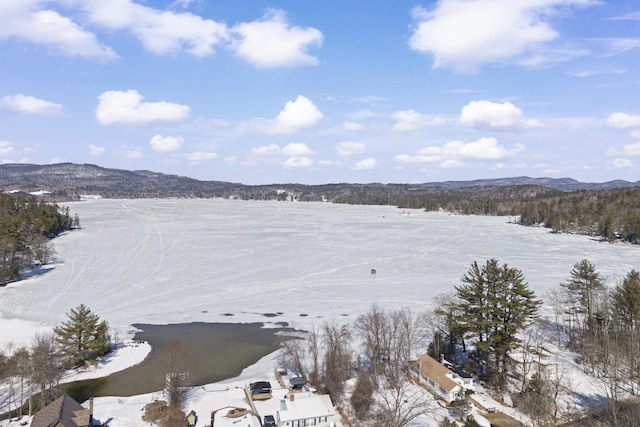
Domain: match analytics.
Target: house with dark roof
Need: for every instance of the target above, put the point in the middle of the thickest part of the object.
(64, 412)
(437, 377)
(260, 390)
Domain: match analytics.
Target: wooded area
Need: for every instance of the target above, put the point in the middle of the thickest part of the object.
(610, 214)
(26, 226)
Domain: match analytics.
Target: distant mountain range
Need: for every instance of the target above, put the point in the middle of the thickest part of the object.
(562, 184)
(65, 181)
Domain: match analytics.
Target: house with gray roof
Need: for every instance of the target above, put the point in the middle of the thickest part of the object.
(63, 412)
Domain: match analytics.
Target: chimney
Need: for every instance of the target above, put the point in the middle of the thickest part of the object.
(291, 397)
(442, 358)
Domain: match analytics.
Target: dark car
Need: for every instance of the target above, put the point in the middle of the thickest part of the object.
(269, 421)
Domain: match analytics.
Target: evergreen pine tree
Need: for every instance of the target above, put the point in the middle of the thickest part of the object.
(83, 337)
(496, 303)
(626, 310)
(585, 281)
(626, 300)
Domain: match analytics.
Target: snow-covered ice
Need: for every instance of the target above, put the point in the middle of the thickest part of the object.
(175, 261)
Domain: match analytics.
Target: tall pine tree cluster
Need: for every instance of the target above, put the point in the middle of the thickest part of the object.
(83, 337)
(494, 304)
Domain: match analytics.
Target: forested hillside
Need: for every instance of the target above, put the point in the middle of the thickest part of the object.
(609, 210)
(26, 226)
(610, 214)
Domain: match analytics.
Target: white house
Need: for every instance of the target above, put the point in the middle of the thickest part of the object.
(441, 380)
(306, 409)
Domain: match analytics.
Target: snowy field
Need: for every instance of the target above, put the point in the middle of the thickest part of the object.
(174, 261)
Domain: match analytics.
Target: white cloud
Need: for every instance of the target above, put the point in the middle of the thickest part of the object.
(454, 152)
(29, 20)
(452, 164)
(594, 72)
(370, 99)
(635, 133)
(366, 164)
(632, 149)
(198, 157)
(362, 114)
(617, 46)
(296, 149)
(409, 120)
(166, 144)
(492, 115)
(6, 148)
(159, 31)
(271, 42)
(628, 150)
(551, 56)
(621, 163)
(127, 107)
(291, 155)
(185, 4)
(631, 16)
(623, 120)
(350, 148)
(298, 162)
(295, 116)
(482, 149)
(29, 104)
(464, 34)
(266, 150)
(352, 126)
(131, 153)
(95, 150)
(289, 150)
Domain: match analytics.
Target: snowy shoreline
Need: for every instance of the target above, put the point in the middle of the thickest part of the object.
(303, 264)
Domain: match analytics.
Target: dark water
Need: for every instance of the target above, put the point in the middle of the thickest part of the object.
(213, 352)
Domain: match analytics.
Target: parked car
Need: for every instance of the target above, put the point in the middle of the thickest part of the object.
(269, 421)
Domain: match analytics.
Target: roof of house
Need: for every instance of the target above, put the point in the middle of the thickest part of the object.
(305, 406)
(260, 385)
(297, 381)
(63, 411)
(436, 371)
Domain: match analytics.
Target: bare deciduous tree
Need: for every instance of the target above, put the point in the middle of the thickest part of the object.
(313, 350)
(337, 359)
(47, 365)
(21, 368)
(557, 298)
(362, 396)
(372, 327)
(397, 406)
(176, 375)
(294, 353)
(531, 352)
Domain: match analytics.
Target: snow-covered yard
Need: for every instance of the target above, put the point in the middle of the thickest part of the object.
(176, 261)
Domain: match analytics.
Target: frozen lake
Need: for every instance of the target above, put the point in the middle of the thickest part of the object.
(176, 261)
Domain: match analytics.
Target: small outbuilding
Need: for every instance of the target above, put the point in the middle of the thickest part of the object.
(297, 384)
(192, 418)
(260, 390)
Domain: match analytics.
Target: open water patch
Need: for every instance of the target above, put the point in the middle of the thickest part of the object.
(212, 352)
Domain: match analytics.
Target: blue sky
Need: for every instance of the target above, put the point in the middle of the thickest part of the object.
(317, 92)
